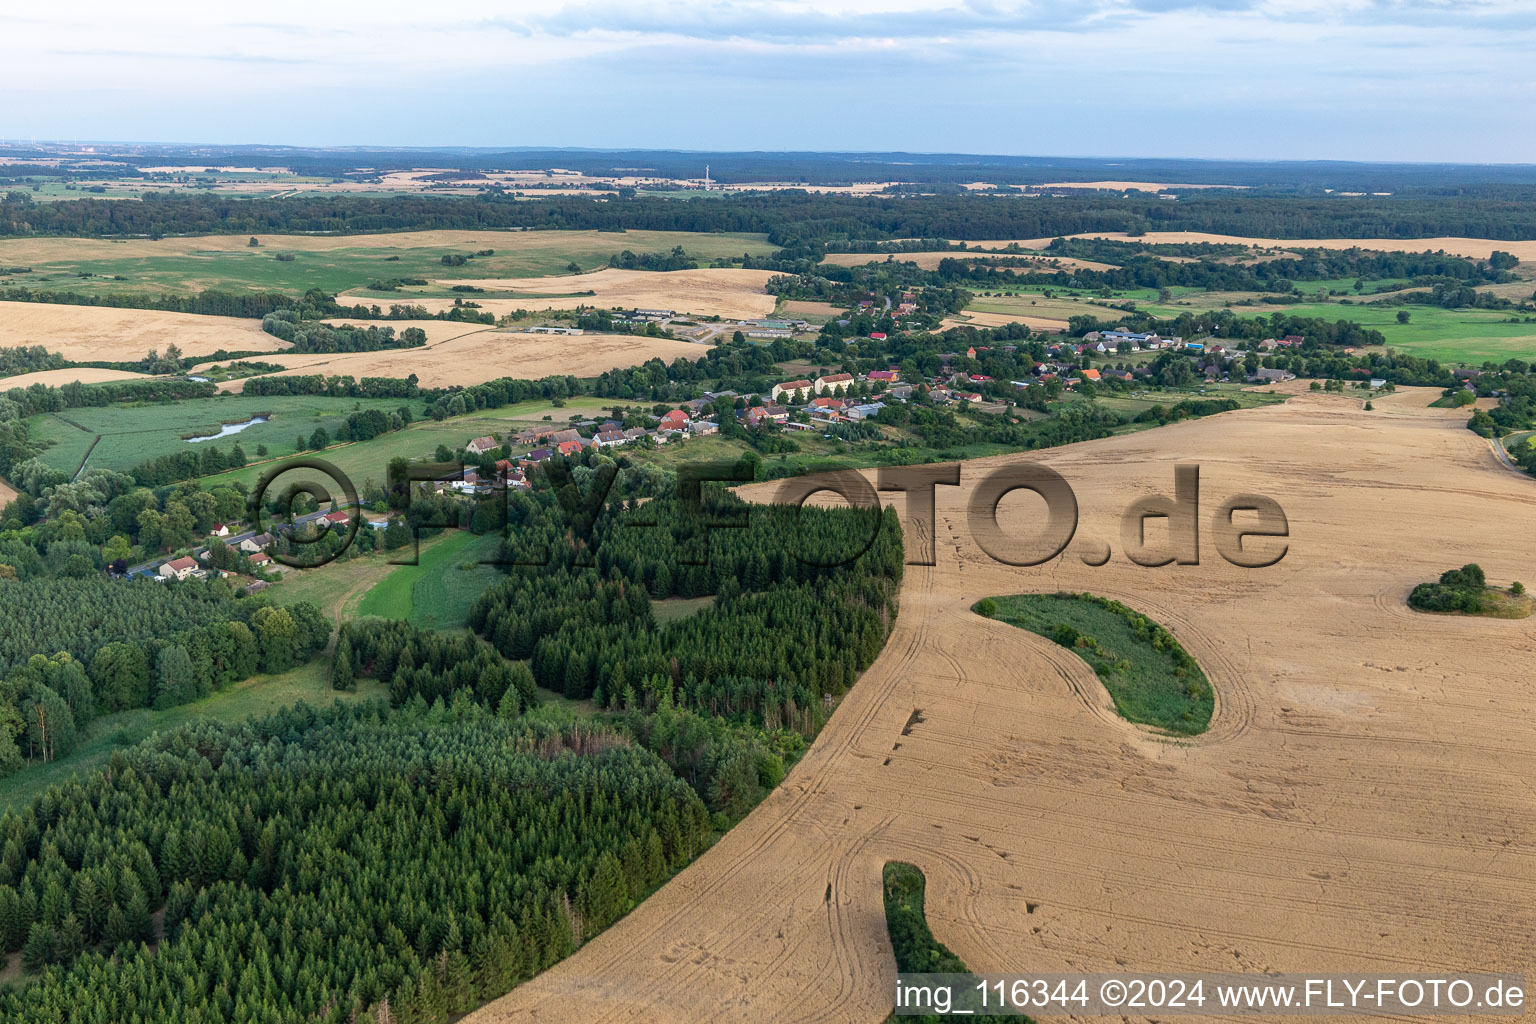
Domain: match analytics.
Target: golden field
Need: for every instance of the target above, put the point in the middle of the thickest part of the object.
(462, 354)
(102, 333)
(1362, 801)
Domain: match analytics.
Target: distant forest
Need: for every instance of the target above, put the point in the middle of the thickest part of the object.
(798, 220)
(821, 168)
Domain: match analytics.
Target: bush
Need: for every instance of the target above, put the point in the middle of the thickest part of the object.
(987, 607)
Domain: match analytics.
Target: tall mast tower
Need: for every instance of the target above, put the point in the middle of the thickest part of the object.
(706, 177)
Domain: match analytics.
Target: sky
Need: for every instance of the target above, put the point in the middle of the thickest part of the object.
(1377, 80)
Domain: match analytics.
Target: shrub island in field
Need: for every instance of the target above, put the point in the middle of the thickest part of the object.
(1465, 591)
(1150, 677)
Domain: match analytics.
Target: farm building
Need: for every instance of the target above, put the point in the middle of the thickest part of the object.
(481, 445)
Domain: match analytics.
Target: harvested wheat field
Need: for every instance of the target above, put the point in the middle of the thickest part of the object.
(975, 319)
(101, 333)
(472, 354)
(712, 292)
(1361, 802)
(57, 378)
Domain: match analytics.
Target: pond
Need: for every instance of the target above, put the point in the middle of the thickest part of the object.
(230, 428)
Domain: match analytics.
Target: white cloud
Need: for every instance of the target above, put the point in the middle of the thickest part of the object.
(1352, 78)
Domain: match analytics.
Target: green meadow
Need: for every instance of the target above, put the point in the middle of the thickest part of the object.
(520, 254)
(129, 434)
(1449, 335)
(437, 592)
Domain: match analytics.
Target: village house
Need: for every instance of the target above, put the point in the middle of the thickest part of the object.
(179, 569)
(757, 415)
(337, 518)
(539, 455)
(219, 530)
(1269, 376)
(674, 420)
(796, 389)
(609, 438)
(480, 445)
(261, 561)
(569, 448)
(886, 376)
(701, 427)
(255, 545)
(562, 436)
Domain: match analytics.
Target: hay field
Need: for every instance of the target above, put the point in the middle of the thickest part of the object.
(709, 292)
(472, 354)
(86, 333)
(1362, 801)
(58, 378)
(976, 319)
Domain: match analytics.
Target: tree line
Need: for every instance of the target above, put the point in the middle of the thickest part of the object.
(795, 218)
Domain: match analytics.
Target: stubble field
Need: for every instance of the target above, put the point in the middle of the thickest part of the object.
(705, 292)
(463, 354)
(99, 333)
(1361, 802)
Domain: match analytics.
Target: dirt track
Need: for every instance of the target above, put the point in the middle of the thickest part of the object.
(1363, 800)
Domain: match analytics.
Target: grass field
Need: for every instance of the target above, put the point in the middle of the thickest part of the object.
(338, 263)
(1127, 652)
(437, 593)
(131, 434)
(1449, 335)
(369, 460)
(449, 579)
(256, 696)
